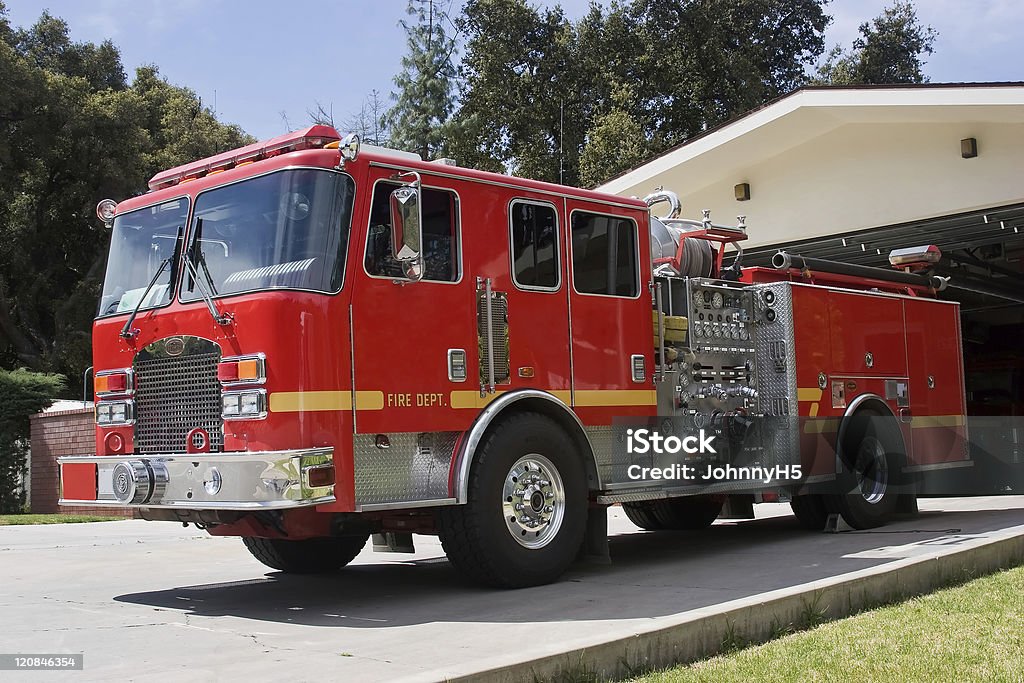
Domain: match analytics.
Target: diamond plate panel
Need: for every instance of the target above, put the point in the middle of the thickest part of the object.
(775, 358)
(610, 455)
(414, 469)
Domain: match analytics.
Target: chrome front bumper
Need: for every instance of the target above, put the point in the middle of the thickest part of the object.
(266, 480)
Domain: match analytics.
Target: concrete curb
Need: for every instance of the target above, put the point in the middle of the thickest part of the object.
(700, 633)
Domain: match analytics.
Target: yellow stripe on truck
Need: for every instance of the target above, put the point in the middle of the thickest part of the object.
(597, 398)
(808, 394)
(936, 421)
(473, 399)
(616, 397)
(318, 401)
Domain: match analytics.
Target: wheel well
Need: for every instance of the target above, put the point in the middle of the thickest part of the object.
(869, 404)
(534, 402)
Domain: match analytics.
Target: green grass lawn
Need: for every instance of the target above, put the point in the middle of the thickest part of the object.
(52, 519)
(972, 632)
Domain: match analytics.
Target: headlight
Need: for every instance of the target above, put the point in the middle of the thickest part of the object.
(111, 413)
(244, 405)
(232, 404)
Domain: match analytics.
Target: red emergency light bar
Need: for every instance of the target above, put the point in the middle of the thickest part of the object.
(308, 138)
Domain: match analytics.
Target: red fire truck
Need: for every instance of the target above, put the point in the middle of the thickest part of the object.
(304, 342)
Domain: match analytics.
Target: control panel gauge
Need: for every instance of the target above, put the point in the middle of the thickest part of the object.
(717, 300)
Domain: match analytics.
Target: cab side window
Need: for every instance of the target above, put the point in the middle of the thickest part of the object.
(440, 235)
(604, 255)
(534, 242)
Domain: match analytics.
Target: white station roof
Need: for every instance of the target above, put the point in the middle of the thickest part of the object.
(813, 111)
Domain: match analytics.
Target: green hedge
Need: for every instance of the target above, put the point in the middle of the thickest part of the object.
(22, 393)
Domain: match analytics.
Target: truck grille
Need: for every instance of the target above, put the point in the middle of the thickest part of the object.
(176, 394)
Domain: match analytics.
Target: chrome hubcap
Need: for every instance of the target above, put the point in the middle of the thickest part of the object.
(533, 501)
(872, 470)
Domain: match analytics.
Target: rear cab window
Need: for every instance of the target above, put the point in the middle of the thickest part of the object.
(605, 255)
(533, 242)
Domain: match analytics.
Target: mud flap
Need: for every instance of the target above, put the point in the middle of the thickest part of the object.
(595, 539)
(393, 542)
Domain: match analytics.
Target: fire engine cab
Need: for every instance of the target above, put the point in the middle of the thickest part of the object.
(305, 342)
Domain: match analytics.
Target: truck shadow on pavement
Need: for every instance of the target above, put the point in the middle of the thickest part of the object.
(652, 574)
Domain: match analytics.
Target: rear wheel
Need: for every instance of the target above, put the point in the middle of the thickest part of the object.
(526, 513)
(871, 452)
(678, 514)
(309, 556)
(811, 511)
(642, 515)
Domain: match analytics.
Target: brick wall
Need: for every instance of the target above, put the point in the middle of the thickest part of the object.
(56, 434)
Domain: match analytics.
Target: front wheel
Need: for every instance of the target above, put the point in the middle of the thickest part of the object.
(309, 556)
(526, 513)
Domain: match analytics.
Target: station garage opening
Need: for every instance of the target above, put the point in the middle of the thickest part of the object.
(850, 174)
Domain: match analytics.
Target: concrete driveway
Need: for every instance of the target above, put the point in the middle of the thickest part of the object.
(144, 599)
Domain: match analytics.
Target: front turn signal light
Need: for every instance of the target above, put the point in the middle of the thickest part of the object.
(110, 382)
(243, 370)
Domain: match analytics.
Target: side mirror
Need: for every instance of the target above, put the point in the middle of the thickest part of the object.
(407, 229)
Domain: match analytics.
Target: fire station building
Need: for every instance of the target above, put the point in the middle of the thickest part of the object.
(852, 173)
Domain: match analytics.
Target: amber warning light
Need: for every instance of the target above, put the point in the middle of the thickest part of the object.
(115, 382)
(242, 370)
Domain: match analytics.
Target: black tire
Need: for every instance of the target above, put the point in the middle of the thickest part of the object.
(490, 546)
(811, 511)
(642, 515)
(871, 454)
(310, 556)
(677, 514)
(689, 514)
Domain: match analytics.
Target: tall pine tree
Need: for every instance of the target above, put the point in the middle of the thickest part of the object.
(423, 100)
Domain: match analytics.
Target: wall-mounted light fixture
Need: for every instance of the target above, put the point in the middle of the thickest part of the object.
(969, 148)
(742, 192)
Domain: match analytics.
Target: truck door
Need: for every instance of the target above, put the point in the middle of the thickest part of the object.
(610, 314)
(403, 331)
(535, 285)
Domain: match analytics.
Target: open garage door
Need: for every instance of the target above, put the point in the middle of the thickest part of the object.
(983, 255)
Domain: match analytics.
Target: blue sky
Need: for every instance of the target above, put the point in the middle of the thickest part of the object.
(267, 62)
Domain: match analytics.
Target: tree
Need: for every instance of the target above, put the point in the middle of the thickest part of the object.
(423, 101)
(22, 393)
(370, 122)
(180, 128)
(889, 50)
(710, 60)
(72, 131)
(523, 109)
(617, 142)
(536, 86)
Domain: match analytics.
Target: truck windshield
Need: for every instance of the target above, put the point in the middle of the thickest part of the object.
(284, 230)
(141, 241)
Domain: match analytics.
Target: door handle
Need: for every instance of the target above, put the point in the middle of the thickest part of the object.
(905, 415)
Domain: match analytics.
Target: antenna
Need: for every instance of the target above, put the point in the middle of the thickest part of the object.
(561, 133)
